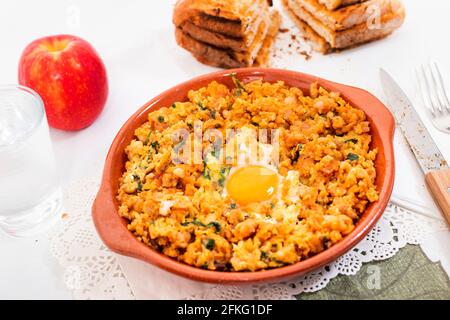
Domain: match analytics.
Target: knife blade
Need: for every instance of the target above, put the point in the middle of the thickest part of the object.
(427, 153)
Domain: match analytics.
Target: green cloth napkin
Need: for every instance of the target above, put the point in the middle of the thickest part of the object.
(407, 275)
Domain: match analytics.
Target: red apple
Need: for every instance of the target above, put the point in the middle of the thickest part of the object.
(70, 77)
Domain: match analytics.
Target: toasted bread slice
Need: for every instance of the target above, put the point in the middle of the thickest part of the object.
(223, 41)
(262, 59)
(334, 4)
(360, 33)
(318, 43)
(222, 58)
(346, 17)
(205, 53)
(249, 56)
(233, 18)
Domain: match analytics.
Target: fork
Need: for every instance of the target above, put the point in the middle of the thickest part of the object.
(435, 96)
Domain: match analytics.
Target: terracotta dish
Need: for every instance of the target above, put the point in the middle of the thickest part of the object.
(113, 229)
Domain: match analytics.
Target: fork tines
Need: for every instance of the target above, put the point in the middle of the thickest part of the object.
(433, 89)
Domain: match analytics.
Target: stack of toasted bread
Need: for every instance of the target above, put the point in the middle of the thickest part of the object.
(227, 33)
(333, 25)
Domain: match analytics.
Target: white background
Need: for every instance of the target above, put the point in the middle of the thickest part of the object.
(135, 39)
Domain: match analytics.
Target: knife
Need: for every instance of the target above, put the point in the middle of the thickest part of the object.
(430, 159)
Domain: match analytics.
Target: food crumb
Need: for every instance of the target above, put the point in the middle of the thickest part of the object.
(65, 216)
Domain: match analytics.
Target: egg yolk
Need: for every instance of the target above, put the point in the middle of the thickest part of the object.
(252, 184)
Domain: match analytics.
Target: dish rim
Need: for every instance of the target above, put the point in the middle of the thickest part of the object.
(114, 233)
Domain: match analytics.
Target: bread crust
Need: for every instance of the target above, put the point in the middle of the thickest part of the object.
(263, 57)
(346, 17)
(223, 41)
(335, 4)
(225, 58)
(325, 40)
(360, 33)
(234, 18)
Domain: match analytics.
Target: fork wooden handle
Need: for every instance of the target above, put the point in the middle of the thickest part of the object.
(439, 184)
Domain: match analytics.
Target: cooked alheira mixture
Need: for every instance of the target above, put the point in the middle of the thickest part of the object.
(260, 215)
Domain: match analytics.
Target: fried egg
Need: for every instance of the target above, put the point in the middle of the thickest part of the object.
(253, 184)
(255, 179)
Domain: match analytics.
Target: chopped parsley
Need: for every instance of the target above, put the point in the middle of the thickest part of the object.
(174, 105)
(352, 157)
(215, 225)
(140, 186)
(201, 105)
(233, 206)
(354, 141)
(239, 86)
(210, 243)
(213, 114)
(147, 139)
(207, 173)
(224, 172)
(194, 222)
(161, 119)
(264, 255)
(155, 145)
(297, 153)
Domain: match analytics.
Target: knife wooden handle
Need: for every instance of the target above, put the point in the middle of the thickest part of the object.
(439, 184)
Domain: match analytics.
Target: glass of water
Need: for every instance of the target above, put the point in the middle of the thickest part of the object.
(30, 195)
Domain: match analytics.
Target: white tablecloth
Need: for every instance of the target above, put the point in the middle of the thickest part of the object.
(135, 39)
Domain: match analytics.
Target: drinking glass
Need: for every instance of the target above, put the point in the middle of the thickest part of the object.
(30, 194)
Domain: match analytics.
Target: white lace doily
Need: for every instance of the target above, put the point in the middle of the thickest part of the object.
(94, 272)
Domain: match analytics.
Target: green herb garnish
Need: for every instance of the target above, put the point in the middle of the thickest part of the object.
(224, 172)
(239, 86)
(213, 114)
(147, 139)
(155, 145)
(194, 222)
(174, 105)
(210, 244)
(297, 153)
(233, 206)
(354, 141)
(264, 255)
(161, 119)
(140, 186)
(207, 174)
(215, 225)
(352, 157)
(201, 105)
